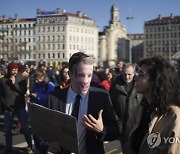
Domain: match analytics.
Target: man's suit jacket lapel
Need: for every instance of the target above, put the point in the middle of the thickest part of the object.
(93, 98)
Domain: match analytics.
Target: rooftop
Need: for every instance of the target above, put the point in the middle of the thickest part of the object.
(164, 20)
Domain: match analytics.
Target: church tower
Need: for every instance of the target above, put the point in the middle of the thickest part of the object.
(112, 41)
(114, 16)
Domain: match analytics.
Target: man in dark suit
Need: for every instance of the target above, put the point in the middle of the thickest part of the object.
(96, 119)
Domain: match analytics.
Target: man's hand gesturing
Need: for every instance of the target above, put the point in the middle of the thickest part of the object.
(91, 123)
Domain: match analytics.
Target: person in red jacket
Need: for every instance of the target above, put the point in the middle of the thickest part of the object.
(104, 80)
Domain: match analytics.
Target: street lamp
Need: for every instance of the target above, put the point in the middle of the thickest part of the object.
(130, 46)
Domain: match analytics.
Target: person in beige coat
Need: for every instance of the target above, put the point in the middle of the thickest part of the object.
(154, 126)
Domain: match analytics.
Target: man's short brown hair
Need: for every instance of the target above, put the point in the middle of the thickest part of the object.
(79, 57)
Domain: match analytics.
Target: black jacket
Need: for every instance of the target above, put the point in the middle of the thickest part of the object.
(123, 101)
(12, 95)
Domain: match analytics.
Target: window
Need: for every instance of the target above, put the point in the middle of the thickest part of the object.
(53, 46)
(159, 35)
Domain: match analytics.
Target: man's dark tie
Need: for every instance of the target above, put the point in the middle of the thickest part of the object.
(75, 110)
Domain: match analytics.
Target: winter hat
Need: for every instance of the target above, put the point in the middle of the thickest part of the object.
(12, 65)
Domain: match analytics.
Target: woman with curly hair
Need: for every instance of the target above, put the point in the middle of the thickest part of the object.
(154, 125)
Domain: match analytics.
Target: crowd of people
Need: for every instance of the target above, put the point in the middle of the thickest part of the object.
(127, 103)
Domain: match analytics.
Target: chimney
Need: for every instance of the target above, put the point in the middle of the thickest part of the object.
(171, 15)
(3, 17)
(16, 17)
(10, 19)
(38, 11)
(58, 11)
(159, 16)
(79, 14)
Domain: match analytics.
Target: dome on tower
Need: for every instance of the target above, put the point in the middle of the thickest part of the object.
(114, 8)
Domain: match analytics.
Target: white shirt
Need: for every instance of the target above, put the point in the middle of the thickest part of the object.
(83, 107)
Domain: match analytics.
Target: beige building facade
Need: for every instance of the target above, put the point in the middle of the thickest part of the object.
(162, 37)
(51, 37)
(59, 34)
(17, 38)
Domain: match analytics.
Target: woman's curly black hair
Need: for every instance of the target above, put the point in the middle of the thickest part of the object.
(165, 83)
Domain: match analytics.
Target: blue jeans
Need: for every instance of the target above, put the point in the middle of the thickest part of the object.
(23, 119)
